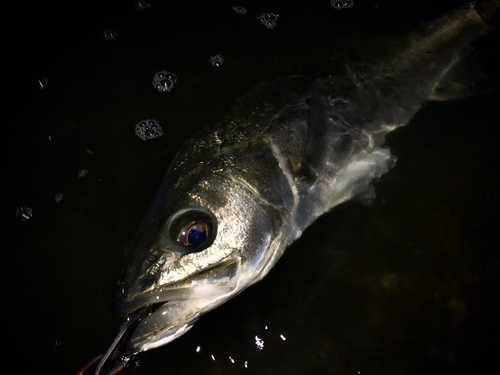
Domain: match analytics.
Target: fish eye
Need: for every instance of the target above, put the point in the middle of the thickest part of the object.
(194, 234)
(195, 229)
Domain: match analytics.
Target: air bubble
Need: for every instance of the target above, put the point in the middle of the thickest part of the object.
(126, 359)
(269, 20)
(164, 81)
(141, 5)
(342, 4)
(42, 83)
(259, 342)
(24, 213)
(148, 129)
(216, 60)
(109, 35)
(240, 10)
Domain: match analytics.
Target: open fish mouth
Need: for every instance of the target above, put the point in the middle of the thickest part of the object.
(155, 324)
(167, 312)
(169, 319)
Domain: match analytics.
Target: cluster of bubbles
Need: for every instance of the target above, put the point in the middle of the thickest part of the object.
(148, 129)
(24, 213)
(269, 20)
(128, 359)
(164, 81)
(341, 4)
(216, 60)
(259, 342)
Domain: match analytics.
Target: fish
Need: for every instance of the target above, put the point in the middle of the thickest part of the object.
(244, 188)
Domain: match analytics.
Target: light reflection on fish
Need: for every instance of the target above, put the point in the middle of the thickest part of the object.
(243, 189)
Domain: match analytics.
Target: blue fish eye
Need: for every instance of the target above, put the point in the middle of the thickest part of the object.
(194, 229)
(194, 234)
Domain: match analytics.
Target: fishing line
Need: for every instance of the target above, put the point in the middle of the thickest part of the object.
(121, 332)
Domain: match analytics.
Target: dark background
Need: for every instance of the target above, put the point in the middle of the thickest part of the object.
(406, 285)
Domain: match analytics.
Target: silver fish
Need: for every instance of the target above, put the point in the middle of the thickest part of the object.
(244, 188)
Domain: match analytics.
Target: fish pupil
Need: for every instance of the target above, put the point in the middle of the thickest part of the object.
(197, 235)
(195, 229)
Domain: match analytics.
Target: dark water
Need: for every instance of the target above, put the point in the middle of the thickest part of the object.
(406, 285)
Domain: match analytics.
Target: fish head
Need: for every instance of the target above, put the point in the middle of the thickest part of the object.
(203, 240)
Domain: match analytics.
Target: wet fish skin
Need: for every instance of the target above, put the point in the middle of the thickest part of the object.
(284, 154)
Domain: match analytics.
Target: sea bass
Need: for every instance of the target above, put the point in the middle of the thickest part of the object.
(244, 188)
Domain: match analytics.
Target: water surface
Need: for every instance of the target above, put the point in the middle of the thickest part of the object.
(405, 285)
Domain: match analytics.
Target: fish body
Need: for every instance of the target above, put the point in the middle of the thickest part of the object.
(244, 188)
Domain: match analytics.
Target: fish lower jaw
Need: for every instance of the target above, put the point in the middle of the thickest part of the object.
(166, 338)
(167, 321)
